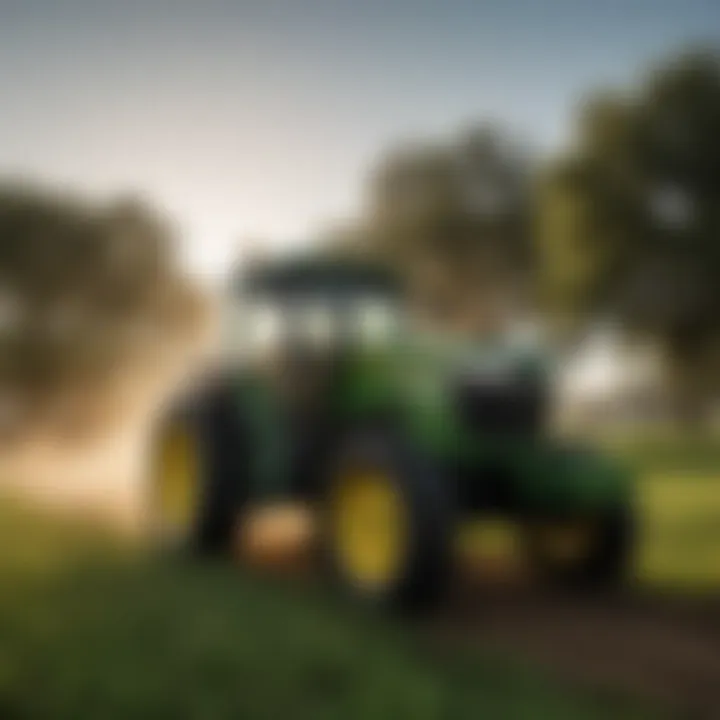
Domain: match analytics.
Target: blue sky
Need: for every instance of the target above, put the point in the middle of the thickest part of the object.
(261, 118)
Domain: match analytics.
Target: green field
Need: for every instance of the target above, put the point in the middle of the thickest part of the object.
(680, 534)
(89, 631)
(679, 500)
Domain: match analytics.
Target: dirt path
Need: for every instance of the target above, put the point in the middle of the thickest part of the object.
(662, 648)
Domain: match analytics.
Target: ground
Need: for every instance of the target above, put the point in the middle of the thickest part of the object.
(93, 628)
(88, 630)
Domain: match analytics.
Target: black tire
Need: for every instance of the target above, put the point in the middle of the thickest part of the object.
(424, 573)
(606, 564)
(213, 420)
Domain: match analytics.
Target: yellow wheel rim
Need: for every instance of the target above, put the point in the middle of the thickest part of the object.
(370, 529)
(177, 481)
(564, 542)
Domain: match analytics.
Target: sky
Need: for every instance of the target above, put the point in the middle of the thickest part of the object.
(261, 119)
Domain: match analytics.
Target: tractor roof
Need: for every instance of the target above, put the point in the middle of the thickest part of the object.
(326, 277)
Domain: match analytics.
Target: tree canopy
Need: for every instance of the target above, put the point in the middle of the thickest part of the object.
(629, 221)
(86, 292)
(458, 213)
(630, 213)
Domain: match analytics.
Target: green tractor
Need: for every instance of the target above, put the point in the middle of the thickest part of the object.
(332, 396)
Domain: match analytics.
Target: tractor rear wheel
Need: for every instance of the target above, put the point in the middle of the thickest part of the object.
(388, 523)
(199, 472)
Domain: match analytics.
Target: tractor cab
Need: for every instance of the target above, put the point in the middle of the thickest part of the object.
(298, 321)
(298, 334)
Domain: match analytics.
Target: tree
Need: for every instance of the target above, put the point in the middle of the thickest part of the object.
(87, 293)
(457, 216)
(630, 216)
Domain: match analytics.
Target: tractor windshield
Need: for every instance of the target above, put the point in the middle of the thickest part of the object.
(262, 326)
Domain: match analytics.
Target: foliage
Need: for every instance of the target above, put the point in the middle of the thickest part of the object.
(629, 215)
(456, 216)
(85, 291)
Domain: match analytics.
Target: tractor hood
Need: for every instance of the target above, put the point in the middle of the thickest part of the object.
(559, 478)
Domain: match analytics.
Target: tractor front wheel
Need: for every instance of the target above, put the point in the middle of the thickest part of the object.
(388, 524)
(590, 552)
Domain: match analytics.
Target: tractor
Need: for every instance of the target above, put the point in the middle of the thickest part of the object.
(332, 395)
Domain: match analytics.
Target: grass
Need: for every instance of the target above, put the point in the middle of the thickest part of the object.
(90, 630)
(680, 531)
(679, 503)
(696, 455)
